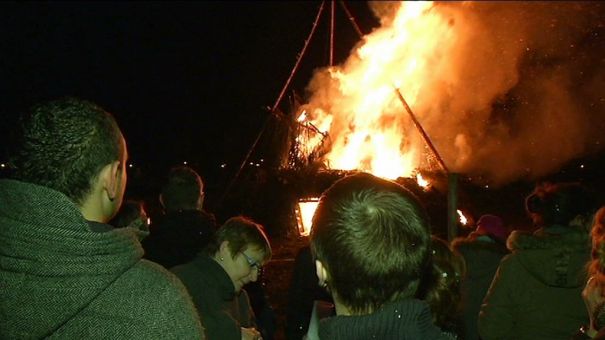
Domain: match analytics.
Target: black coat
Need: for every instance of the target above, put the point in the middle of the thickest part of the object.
(177, 237)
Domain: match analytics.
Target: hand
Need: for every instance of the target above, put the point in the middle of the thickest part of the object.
(251, 334)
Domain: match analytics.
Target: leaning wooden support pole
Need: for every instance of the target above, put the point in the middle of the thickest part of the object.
(452, 192)
(421, 130)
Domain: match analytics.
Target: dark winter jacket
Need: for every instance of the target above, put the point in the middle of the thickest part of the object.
(223, 311)
(177, 237)
(408, 319)
(303, 291)
(60, 279)
(482, 256)
(536, 292)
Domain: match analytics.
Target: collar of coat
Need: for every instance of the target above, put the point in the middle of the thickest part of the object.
(549, 238)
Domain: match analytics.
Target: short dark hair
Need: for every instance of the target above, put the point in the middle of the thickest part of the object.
(373, 237)
(242, 233)
(64, 144)
(182, 189)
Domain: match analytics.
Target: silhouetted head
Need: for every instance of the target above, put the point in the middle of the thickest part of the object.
(183, 190)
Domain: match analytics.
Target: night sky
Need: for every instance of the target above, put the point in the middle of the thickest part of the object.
(187, 81)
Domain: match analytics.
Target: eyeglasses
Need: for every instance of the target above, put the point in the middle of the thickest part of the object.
(252, 263)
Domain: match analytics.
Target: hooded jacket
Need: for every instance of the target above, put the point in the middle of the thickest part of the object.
(536, 292)
(482, 256)
(61, 279)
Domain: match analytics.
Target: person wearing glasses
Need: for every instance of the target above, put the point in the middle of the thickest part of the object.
(216, 276)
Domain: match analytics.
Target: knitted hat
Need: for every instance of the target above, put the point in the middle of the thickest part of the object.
(493, 226)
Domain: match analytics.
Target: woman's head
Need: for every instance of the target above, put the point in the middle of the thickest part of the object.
(597, 264)
(441, 284)
(370, 238)
(241, 247)
(593, 293)
(559, 204)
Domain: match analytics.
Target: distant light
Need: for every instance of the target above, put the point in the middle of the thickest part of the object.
(257, 165)
(2, 165)
(251, 163)
(185, 163)
(581, 166)
(487, 187)
(130, 165)
(223, 165)
(262, 160)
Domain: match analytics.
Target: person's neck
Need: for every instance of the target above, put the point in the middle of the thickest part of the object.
(91, 213)
(341, 308)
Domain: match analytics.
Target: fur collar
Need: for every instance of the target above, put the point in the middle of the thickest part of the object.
(571, 239)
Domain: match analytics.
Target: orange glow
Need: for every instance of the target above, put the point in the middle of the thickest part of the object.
(463, 220)
(302, 117)
(422, 182)
(356, 103)
(304, 215)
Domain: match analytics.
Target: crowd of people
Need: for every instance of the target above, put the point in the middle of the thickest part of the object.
(77, 261)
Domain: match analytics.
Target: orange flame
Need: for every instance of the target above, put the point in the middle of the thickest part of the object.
(356, 102)
(304, 215)
(422, 182)
(463, 220)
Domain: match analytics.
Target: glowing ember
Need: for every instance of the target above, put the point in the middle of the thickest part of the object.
(421, 181)
(304, 215)
(463, 220)
(302, 117)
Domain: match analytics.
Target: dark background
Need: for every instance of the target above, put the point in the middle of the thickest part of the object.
(191, 82)
(187, 81)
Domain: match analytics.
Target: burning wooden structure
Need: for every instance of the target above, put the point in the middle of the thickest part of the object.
(359, 118)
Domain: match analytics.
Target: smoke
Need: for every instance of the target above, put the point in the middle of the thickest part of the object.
(515, 91)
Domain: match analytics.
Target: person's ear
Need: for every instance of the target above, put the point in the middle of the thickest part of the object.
(224, 250)
(322, 273)
(111, 179)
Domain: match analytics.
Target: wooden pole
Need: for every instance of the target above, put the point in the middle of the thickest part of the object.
(332, 14)
(421, 130)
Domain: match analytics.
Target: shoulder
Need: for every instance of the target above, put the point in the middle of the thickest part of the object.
(523, 240)
(157, 298)
(463, 245)
(154, 277)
